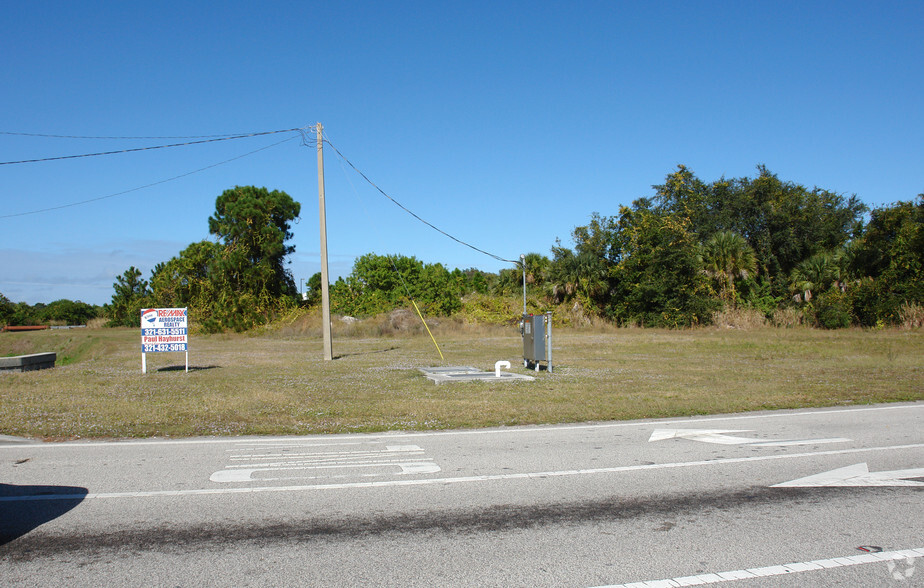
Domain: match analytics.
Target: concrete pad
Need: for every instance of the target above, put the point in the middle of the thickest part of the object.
(468, 374)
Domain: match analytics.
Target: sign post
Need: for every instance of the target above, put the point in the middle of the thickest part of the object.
(162, 330)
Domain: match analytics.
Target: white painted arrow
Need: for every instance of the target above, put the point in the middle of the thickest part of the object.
(721, 437)
(857, 475)
(705, 435)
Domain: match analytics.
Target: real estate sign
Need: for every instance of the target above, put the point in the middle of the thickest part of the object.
(164, 329)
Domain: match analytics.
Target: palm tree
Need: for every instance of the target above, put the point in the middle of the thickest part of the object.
(563, 275)
(817, 273)
(727, 257)
(582, 274)
(537, 268)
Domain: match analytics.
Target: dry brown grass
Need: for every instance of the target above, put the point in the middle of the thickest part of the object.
(276, 382)
(739, 318)
(788, 318)
(911, 316)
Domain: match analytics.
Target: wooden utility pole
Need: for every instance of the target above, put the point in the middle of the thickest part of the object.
(325, 282)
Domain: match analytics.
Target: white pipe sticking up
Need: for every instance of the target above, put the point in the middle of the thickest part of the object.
(499, 365)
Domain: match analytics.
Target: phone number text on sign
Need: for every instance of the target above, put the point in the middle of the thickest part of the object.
(155, 347)
(156, 332)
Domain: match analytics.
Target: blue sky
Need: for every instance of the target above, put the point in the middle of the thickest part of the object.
(506, 124)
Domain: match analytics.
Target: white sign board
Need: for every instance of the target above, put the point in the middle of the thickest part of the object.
(164, 329)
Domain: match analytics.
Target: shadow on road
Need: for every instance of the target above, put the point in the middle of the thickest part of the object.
(23, 508)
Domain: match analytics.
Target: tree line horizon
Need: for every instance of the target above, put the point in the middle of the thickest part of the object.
(672, 259)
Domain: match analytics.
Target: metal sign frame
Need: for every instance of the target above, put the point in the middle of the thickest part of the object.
(164, 330)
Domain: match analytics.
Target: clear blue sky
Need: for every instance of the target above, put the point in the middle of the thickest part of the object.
(504, 123)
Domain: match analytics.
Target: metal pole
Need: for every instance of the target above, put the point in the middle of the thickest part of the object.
(548, 339)
(325, 282)
(523, 265)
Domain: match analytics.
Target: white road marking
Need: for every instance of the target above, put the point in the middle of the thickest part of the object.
(855, 476)
(246, 475)
(721, 437)
(268, 465)
(457, 480)
(887, 557)
(503, 431)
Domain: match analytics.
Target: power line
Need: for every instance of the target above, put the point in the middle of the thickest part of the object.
(115, 138)
(402, 207)
(391, 259)
(247, 136)
(147, 185)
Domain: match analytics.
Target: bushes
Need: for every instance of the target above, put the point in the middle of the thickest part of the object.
(658, 281)
(59, 312)
(494, 310)
(380, 283)
(833, 310)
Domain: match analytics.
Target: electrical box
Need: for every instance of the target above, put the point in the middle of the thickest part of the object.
(537, 340)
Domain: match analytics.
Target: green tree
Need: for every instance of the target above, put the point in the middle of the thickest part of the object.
(537, 270)
(236, 283)
(313, 290)
(582, 275)
(253, 225)
(381, 283)
(477, 281)
(509, 281)
(131, 294)
(783, 222)
(685, 195)
(7, 309)
(728, 257)
(889, 256)
(23, 314)
(68, 312)
(374, 286)
(816, 274)
(658, 280)
(437, 291)
(832, 310)
(189, 280)
(596, 238)
(584, 272)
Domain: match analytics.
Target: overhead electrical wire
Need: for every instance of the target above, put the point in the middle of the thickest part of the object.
(394, 266)
(405, 209)
(122, 138)
(199, 142)
(49, 209)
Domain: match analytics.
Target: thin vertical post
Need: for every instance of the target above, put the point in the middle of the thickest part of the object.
(325, 282)
(523, 265)
(548, 339)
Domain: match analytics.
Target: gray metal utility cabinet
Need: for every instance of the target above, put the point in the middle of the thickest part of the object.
(537, 340)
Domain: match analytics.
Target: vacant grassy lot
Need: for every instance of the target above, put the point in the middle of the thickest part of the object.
(278, 384)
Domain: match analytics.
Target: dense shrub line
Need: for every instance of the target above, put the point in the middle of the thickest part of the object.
(690, 254)
(686, 255)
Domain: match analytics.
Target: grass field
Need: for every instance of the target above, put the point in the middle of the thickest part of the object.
(277, 383)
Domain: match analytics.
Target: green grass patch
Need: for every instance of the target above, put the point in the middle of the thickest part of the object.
(277, 383)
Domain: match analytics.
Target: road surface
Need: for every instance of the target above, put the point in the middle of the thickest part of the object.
(826, 497)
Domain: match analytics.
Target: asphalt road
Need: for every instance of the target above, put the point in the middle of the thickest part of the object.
(829, 497)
